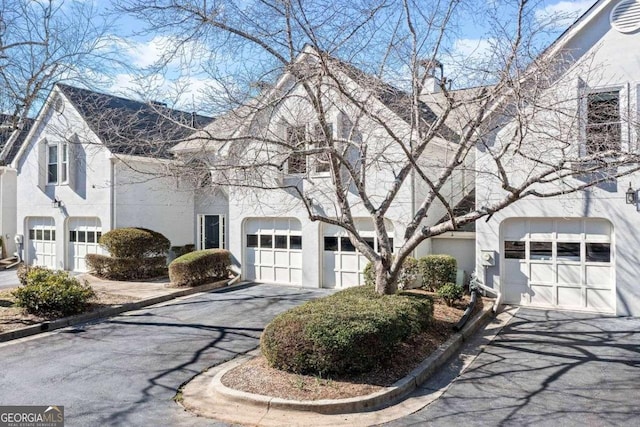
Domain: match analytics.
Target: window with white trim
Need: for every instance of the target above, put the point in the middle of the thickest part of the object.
(321, 138)
(58, 163)
(296, 139)
(604, 124)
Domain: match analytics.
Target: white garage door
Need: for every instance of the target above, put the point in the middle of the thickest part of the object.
(273, 250)
(41, 242)
(559, 263)
(83, 239)
(342, 264)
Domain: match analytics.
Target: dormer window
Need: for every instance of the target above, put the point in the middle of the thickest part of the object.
(58, 163)
(603, 122)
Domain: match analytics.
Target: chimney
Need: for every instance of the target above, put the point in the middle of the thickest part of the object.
(433, 74)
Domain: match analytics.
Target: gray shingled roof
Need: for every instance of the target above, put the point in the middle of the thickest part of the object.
(131, 127)
(8, 127)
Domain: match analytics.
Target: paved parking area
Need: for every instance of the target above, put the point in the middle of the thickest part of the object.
(8, 278)
(546, 368)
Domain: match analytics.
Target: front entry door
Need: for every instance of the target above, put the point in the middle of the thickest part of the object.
(211, 231)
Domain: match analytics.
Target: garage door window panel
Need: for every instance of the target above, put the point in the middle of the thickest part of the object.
(568, 251)
(281, 242)
(295, 242)
(252, 240)
(515, 250)
(542, 251)
(266, 241)
(598, 252)
(346, 245)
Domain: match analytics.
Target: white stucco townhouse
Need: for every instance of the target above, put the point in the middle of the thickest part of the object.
(94, 162)
(268, 231)
(577, 251)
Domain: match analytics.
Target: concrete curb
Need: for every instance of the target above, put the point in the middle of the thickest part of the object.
(110, 311)
(382, 398)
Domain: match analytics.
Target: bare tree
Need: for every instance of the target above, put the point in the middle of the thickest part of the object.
(45, 41)
(522, 126)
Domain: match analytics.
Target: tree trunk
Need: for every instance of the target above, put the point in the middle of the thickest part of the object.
(386, 283)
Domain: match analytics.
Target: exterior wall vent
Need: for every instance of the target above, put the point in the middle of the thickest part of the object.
(625, 17)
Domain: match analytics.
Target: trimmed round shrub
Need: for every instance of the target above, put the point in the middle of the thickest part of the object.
(408, 275)
(450, 293)
(351, 331)
(23, 269)
(136, 253)
(53, 293)
(134, 242)
(126, 268)
(199, 267)
(436, 270)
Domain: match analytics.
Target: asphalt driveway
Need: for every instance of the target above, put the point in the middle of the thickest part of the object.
(8, 278)
(546, 368)
(124, 371)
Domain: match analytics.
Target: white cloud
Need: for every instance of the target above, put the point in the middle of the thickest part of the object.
(563, 13)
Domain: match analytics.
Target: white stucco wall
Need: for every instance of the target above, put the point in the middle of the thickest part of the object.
(92, 193)
(8, 182)
(605, 58)
(145, 196)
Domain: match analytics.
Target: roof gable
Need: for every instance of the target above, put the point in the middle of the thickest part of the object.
(130, 127)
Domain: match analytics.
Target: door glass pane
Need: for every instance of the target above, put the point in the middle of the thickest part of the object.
(211, 232)
(295, 242)
(91, 237)
(514, 249)
(266, 241)
(281, 242)
(331, 244)
(598, 252)
(82, 236)
(32, 234)
(47, 235)
(53, 234)
(347, 246)
(38, 234)
(540, 250)
(72, 236)
(252, 241)
(568, 251)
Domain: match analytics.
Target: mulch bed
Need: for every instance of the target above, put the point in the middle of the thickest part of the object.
(12, 317)
(255, 376)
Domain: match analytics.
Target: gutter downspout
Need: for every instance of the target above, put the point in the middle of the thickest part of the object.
(475, 286)
(112, 210)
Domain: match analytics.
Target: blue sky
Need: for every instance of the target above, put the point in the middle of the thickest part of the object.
(142, 51)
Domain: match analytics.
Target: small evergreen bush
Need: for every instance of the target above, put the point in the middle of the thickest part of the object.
(436, 270)
(54, 293)
(408, 275)
(350, 331)
(450, 293)
(199, 267)
(136, 253)
(134, 242)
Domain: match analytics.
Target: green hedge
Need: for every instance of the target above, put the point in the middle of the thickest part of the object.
(126, 268)
(436, 270)
(134, 242)
(350, 331)
(56, 293)
(196, 268)
(408, 275)
(23, 269)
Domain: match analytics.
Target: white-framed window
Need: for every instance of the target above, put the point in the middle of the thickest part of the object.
(603, 121)
(321, 138)
(58, 163)
(296, 139)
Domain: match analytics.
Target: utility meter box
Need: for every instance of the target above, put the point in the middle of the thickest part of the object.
(18, 239)
(488, 258)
